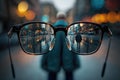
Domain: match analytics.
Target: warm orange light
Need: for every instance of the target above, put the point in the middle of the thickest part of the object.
(99, 18)
(30, 15)
(112, 17)
(20, 14)
(22, 6)
(96, 18)
(118, 17)
(103, 18)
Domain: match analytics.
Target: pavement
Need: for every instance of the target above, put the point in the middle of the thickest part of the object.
(4, 41)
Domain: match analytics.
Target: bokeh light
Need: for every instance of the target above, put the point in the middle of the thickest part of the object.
(97, 18)
(118, 16)
(103, 18)
(97, 4)
(112, 17)
(30, 15)
(22, 6)
(45, 18)
(20, 14)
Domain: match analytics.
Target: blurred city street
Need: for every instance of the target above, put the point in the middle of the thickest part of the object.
(97, 15)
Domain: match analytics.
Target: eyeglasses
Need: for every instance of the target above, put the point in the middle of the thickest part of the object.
(39, 37)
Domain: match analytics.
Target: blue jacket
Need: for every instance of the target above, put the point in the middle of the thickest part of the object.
(60, 56)
(60, 23)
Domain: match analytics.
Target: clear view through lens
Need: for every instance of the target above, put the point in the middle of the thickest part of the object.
(37, 38)
(84, 38)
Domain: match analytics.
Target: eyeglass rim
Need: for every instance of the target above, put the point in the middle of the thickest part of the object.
(18, 27)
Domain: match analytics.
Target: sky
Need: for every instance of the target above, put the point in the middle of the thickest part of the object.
(61, 5)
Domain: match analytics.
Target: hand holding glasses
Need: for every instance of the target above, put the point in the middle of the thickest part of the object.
(36, 38)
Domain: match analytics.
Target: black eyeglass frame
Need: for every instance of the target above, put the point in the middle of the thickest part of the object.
(17, 28)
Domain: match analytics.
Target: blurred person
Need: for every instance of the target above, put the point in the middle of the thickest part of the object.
(60, 56)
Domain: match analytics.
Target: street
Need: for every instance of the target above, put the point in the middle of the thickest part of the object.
(28, 66)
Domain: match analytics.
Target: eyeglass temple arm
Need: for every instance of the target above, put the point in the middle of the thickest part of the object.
(109, 32)
(10, 33)
(12, 30)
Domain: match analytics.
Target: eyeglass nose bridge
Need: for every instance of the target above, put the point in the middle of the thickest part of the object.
(60, 29)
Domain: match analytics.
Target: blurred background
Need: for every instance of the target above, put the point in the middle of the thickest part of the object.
(97, 11)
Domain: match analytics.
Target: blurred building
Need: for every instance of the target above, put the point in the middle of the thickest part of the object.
(3, 14)
(48, 12)
(81, 9)
(70, 16)
(88, 8)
